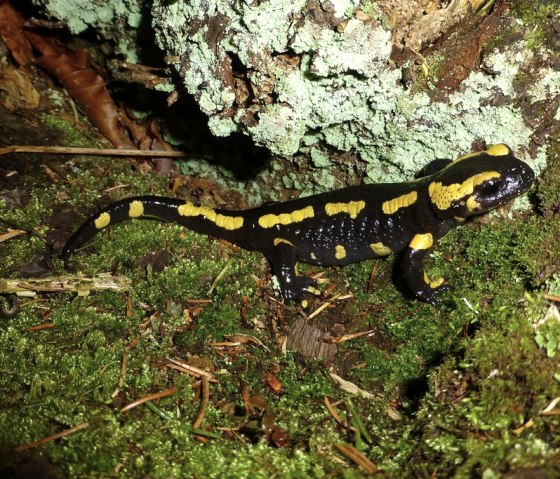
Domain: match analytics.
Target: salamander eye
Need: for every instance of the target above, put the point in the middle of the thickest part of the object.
(490, 187)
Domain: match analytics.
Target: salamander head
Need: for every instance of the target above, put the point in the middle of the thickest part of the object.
(478, 182)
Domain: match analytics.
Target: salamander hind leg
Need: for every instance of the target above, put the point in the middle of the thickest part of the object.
(292, 286)
(424, 288)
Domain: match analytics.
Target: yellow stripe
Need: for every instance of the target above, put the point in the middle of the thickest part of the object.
(391, 206)
(422, 241)
(270, 220)
(352, 208)
(223, 221)
(277, 241)
(443, 196)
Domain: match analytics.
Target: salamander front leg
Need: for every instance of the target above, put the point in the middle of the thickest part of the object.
(416, 278)
(292, 285)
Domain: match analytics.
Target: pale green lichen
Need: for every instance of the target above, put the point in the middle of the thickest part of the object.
(343, 7)
(334, 53)
(343, 92)
(546, 87)
(278, 126)
(547, 330)
(321, 76)
(107, 16)
(319, 158)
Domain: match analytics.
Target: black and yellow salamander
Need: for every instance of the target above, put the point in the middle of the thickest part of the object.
(347, 225)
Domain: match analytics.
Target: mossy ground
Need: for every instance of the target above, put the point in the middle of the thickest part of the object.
(456, 391)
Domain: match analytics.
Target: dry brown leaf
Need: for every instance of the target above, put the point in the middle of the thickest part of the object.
(11, 22)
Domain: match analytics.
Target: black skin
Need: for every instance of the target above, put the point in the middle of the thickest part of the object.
(317, 239)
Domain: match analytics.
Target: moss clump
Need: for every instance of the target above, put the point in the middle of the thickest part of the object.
(548, 193)
(536, 13)
(447, 388)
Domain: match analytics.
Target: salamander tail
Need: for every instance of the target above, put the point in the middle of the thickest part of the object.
(224, 224)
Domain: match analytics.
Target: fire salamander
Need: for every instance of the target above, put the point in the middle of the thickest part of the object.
(346, 225)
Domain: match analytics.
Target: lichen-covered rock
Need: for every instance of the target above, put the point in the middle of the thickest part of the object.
(315, 78)
(276, 70)
(296, 73)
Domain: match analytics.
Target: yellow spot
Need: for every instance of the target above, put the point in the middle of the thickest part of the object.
(433, 283)
(277, 241)
(498, 150)
(304, 303)
(352, 208)
(223, 221)
(314, 290)
(391, 206)
(340, 252)
(472, 204)
(102, 220)
(458, 219)
(312, 256)
(136, 209)
(380, 249)
(270, 220)
(422, 241)
(443, 196)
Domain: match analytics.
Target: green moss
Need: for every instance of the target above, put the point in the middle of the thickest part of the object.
(71, 135)
(426, 75)
(548, 192)
(536, 13)
(449, 385)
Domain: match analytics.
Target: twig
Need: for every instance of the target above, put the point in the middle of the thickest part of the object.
(325, 305)
(333, 412)
(188, 369)
(551, 409)
(204, 403)
(529, 424)
(372, 274)
(71, 150)
(348, 337)
(162, 414)
(485, 7)
(352, 453)
(357, 422)
(219, 277)
(54, 437)
(39, 327)
(120, 382)
(350, 387)
(149, 397)
(11, 234)
(29, 287)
